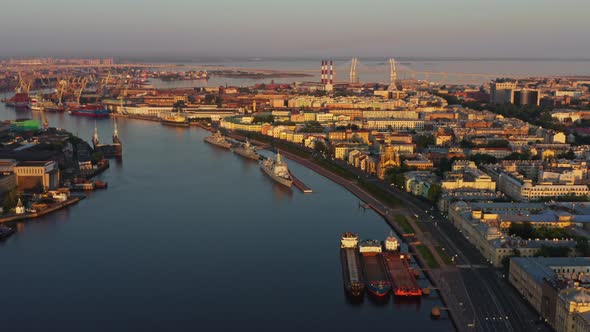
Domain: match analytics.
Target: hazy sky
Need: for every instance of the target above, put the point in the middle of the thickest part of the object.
(302, 28)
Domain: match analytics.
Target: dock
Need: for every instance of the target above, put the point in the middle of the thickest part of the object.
(305, 189)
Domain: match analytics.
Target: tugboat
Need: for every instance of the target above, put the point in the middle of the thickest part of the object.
(6, 231)
(377, 282)
(277, 170)
(351, 267)
(218, 140)
(247, 151)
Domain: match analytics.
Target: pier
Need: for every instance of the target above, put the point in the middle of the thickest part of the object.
(305, 189)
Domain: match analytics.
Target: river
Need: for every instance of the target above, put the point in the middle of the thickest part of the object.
(189, 237)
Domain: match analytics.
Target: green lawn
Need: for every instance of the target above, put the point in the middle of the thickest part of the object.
(444, 255)
(404, 224)
(428, 256)
(379, 193)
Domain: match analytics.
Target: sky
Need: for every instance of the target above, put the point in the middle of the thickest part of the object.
(296, 28)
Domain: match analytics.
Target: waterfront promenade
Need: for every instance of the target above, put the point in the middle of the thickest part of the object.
(30, 215)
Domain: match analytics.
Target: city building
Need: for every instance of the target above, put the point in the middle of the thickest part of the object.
(33, 175)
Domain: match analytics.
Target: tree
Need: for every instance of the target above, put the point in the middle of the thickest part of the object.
(551, 251)
(434, 192)
(178, 105)
(521, 229)
(10, 200)
(320, 148)
(210, 99)
(483, 158)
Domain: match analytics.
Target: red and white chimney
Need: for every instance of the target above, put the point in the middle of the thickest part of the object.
(331, 71)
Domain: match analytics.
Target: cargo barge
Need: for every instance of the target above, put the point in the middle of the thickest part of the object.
(351, 267)
(374, 271)
(402, 279)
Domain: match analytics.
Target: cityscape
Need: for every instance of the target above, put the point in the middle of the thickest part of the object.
(406, 187)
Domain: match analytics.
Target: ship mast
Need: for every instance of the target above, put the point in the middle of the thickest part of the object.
(115, 133)
(95, 136)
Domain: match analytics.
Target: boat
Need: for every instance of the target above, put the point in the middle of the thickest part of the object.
(402, 279)
(375, 275)
(218, 140)
(277, 170)
(43, 105)
(351, 267)
(114, 150)
(6, 231)
(19, 100)
(92, 110)
(174, 119)
(247, 151)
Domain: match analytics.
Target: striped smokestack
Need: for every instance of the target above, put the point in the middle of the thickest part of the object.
(331, 71)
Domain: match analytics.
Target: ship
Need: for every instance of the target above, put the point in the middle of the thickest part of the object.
(114, 150)
(277, 170)
(19, 100)
(218, 140)
(402, 279)
(44, 105)
(174, 119)
(351, 265)
(91, 110)
(6, 231)
(375, 275)
(247, 151)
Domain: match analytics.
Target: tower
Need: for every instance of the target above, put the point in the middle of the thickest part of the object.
(95, 136)
(392, 75)
(353, 77)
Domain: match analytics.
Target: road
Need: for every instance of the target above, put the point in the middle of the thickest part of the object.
(497, 305)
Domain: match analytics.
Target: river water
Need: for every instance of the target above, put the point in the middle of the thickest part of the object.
(190, 237)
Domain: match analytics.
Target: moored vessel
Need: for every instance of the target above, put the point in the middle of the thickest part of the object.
(219, 140)
(277, 170)
(6, 231)
(375, 276)
(247, 151)
(351, 267)
(174, 119)
(91, 110)
(402, 279)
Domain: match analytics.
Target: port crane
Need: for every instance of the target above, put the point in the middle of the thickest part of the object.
(82, 85)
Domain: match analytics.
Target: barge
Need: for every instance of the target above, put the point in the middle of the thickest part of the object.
(351, 267)
(374, 271)
(402, 279)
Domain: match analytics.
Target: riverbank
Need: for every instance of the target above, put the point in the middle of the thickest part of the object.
(54, 207)
(422, 250)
